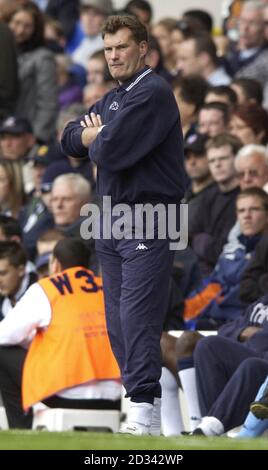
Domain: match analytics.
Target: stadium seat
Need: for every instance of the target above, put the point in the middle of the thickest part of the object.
(65, 419)
(3, 418)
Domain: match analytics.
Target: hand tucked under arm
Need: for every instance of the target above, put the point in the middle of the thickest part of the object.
(92, 126)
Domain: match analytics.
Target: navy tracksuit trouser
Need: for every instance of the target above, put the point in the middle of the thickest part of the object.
(228, 377)
(136, 275)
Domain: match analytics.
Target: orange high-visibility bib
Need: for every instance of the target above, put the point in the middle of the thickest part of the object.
(75, 347)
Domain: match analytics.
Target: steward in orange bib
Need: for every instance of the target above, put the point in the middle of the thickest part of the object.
(70, 354)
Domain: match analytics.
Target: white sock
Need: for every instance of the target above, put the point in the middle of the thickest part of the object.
(155, 428)
(140, 414)
(211, 426)
(188, 382)
(172, 424)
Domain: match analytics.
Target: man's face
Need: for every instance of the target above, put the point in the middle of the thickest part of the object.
(91, 21)
(15, 147)
(187, 110)
(124, 56)
(65, 204)
(93, 93)
(196, 166)
(221, 163)
(251, 28)
(252, 171)
(95, 70)
(211, 122)
(10, 278)
(187, 61)
(22, 26)
(251, 215)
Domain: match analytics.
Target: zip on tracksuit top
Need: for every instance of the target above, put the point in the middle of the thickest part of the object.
(139, 152)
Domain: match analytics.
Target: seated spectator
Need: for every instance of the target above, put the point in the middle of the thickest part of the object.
(92, 93)
(42, 265)
(47, 241)
(37, 99)
(54, 35)
(10, 230)
(92, 16)
(97, 70)
(14, 280)
(197, 169)
(45, 245)
(254, 282)
(213, 119)
(69, 91)
(236, 370)
(249, 123)
(217, 299)
(154, 60)
(189, 93)
(256, 422)
(216, 215)
(17, 142)
(96, 382)
(201, 20)
(221, 94)
(249, 57)
(162, 31)
(69, 193)
(197, 54)
(35, 216)
(12, 196)
(247, 90)
(140, 8)
(229, 368)
(251, 164)
(66, 13)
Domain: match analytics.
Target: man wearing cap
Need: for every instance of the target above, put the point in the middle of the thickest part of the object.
(196, 166)
(35, 217)
(17, 142)
(92, 16)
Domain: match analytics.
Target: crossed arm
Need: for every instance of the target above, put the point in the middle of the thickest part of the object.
(92, 126)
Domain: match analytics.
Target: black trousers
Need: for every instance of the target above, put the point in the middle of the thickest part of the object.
(228, 375)
(136, 276)
(11, 365)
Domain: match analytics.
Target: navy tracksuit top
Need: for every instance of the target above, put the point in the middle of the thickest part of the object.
(139, 152)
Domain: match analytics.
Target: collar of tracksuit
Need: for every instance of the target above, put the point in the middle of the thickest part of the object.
(135, 79)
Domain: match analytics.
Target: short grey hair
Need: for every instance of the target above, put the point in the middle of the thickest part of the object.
(254, 5)
(81, 185)
(248, 150)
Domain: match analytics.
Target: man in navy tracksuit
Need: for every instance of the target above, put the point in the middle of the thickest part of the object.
(134, 136)
(230, 368)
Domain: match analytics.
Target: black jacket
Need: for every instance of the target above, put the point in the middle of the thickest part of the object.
(254, 282)
(139, 152)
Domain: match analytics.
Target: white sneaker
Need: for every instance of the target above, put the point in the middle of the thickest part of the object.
(209, 426)
(139, 419)
(155, 428)
(134, 429)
